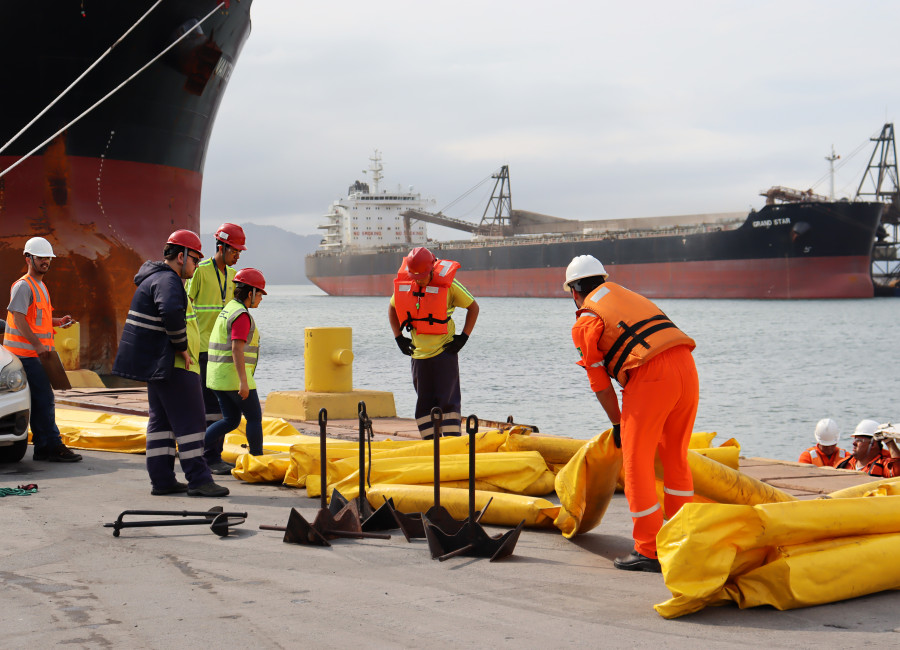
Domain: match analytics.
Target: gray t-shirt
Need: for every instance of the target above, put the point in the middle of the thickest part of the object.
(21, 297)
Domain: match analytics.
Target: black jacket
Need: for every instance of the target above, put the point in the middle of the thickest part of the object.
(155, 327)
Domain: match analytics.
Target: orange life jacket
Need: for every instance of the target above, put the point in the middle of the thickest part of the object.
(634, 329)
(39, 317)
(819, 460)
(424, 308)
(880, 466)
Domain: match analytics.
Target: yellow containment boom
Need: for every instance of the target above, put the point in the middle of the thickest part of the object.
(505, 509)
(586, 484)
(523, 472)
(786, 555)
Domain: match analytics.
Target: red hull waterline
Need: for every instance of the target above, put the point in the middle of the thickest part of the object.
(104, 218)
(813, 278)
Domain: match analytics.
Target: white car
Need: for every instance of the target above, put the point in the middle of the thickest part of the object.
(15, 402)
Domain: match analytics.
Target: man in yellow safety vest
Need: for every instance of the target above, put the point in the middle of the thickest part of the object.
(211, 288)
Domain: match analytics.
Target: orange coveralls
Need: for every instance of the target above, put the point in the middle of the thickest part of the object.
(814, 456)
(659, 403)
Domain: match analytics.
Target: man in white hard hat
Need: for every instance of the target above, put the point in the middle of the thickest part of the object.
(825, 453)
(868, 454)
(29, 335)
(623, 336)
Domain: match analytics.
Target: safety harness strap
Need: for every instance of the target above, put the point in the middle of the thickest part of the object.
(631, 337)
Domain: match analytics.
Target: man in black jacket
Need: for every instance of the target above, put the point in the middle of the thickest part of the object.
(159, 345)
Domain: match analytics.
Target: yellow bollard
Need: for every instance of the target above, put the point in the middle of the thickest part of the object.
(68, 344)
(328, 359)
(328, 356)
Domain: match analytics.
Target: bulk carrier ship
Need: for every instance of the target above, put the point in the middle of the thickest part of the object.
(107, 185)
(799, 245)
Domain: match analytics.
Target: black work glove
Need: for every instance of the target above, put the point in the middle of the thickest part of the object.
(454, 346)
(404, 344)
(617, 435)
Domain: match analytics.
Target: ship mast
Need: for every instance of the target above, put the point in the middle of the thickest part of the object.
(831, 160)
(376, 168)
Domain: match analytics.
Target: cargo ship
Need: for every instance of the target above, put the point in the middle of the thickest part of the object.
(799, 245)
(107, 180)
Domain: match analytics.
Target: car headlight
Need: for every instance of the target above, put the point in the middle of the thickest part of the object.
(12, 376)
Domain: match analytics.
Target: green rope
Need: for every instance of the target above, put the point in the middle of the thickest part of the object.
(20, 491)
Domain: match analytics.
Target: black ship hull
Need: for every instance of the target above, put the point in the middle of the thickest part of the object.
(796, 250)
(108, 190)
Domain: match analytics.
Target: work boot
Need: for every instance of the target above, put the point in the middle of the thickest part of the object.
(637, 562)
(175, 488)
(61, 454)
(221, 468)
(208, 490)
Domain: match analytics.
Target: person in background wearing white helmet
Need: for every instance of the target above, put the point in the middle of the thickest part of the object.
(29, 335)
(233, 355)
(868, 454)
(211, 288)
(425, 296)
(623, 336)
(825, 453)
(159, 345)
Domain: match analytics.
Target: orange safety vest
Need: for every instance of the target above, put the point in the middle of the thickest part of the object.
(424, 308)
(880, 466)
(819, 460)
(39, 317)
(634, 329)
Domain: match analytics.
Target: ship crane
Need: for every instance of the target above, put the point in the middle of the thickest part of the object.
(881, 182)
(790, 195)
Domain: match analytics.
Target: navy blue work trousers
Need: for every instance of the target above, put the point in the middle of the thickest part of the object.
(210, 401)
(176, 417)
(232, 408)
(436, 381)
(44, 432)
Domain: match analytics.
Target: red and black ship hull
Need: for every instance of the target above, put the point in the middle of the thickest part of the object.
(108, 190)
(790, 251)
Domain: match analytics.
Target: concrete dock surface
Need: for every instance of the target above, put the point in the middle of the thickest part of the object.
(66, 580)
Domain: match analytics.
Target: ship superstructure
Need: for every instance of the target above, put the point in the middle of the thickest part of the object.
(369, 218)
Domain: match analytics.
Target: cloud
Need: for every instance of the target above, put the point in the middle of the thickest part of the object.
(598, 107)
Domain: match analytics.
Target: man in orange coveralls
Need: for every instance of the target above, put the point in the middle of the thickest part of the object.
(623, 336)
(825, 453)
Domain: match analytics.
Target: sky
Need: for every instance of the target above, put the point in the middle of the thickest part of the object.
(600, 109)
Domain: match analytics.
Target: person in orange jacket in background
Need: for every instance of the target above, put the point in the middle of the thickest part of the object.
(868, 455)
(623, 336)
(825, 453)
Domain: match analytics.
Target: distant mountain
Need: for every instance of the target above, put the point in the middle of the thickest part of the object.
(278, 253)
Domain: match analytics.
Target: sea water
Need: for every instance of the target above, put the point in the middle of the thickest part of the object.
(769, 370)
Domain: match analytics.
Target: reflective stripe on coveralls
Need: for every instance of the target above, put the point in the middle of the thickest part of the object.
(176, 417)
(658, 409)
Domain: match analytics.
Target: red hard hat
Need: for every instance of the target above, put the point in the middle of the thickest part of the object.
(233, 235)
(251, 277)
(420, 263)
(187, 238)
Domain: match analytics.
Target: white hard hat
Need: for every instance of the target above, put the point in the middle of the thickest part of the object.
(866, 428)
(583, 266)
(39, 247)
(827, 433)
